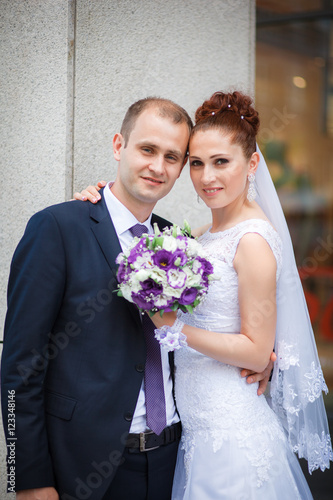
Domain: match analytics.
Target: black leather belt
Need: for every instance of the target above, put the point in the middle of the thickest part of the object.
(146, 441)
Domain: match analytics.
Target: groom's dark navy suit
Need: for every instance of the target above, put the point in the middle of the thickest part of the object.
(74, 352)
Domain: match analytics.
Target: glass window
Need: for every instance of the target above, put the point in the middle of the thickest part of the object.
(294, 95)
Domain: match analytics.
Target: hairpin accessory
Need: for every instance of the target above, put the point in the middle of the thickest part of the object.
(171, 337)
(229, 105)
(213, 113)
(251, 193)
(242, 117)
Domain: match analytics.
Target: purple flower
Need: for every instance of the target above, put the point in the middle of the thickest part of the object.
(122, 272)
(163, 259)
(179, 254)
(206, 267)
(137, 250)
(145, 297)
(188, 296)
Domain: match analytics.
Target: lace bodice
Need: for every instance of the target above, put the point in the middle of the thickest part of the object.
(219, 311)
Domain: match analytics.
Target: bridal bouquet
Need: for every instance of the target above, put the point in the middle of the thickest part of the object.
(164, 271)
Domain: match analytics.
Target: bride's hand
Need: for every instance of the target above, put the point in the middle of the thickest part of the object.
(262, 378)
(168, 318)
(90, 193)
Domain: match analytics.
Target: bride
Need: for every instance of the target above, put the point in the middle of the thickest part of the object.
(234, 445)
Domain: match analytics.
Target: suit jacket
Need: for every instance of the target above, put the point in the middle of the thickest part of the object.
(74, 352)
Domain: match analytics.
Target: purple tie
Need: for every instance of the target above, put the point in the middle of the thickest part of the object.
(153, 379)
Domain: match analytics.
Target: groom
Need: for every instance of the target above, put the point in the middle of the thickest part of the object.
(74, 352)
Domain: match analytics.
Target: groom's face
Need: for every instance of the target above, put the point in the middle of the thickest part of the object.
(152, 160)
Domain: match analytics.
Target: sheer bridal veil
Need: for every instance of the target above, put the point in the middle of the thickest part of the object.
(297, 380)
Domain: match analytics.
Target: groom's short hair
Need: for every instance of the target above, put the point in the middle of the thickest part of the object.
(164, 108)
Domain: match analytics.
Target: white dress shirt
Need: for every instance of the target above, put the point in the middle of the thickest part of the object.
(123, 220)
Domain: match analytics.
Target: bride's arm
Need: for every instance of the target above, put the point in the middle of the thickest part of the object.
(90, 193)
(256, 268)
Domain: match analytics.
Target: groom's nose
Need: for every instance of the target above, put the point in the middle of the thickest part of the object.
(157, 165)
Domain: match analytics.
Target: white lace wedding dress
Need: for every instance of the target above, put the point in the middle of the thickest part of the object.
(233, 446)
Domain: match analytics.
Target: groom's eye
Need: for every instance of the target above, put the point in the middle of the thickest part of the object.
(172, 158)
(147, 150)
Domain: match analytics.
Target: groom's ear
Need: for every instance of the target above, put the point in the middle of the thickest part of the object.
(118, 142)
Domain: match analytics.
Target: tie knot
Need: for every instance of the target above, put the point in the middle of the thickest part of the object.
(138, 230)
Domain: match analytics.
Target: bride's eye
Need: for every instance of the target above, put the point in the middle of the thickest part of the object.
(195, 163)
(221, 161)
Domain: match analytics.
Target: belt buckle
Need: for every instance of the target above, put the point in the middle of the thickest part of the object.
(143, 441)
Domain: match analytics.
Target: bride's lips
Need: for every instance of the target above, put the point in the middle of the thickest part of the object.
(212, 191)
(152, 181)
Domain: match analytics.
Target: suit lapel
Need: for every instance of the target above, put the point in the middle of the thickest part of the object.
(107, 238)
(105, 233)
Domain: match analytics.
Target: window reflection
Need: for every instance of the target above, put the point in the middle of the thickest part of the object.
(294, 95)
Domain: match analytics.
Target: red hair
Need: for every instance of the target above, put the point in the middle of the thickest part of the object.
(232, 113)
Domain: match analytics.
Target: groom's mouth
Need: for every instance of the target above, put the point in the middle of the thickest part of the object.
(152, 181)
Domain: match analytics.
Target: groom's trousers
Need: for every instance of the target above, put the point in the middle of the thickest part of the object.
(145, 475)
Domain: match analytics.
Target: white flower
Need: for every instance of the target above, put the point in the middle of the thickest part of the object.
(161, 301)
(143, 261)
(172, 292)
(126, 291)
(176, 278)
(193, 247)
(192, 279)
(169, 244)
(120, 258)
(170, 341)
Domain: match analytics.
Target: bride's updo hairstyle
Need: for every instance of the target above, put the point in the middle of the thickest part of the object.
(233, 114)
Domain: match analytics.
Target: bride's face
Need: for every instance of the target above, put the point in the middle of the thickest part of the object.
(218, 168)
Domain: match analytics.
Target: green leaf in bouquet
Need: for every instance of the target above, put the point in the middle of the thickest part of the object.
(174, 306)
(157, 242)
(177, 262)
(157, 231)
(174, 231)
(187, 228)
(189, 309)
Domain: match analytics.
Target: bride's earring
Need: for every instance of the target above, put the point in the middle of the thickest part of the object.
(251, 193)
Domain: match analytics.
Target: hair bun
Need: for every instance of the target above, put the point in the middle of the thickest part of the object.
(235, 102)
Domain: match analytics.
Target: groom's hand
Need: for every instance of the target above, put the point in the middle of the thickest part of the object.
(48, 493)
(262, 378)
